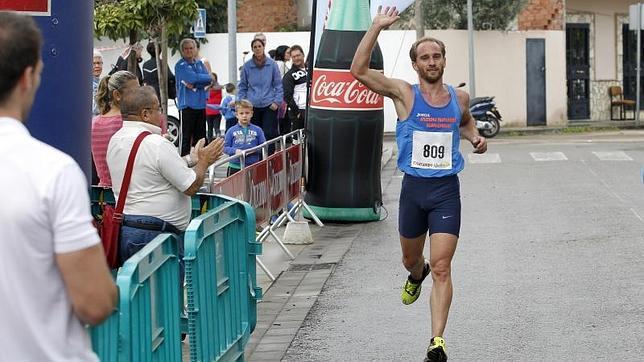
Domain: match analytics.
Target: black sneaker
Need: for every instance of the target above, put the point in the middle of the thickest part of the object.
(436, 351)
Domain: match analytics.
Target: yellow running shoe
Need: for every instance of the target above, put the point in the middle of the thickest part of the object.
(411, 289)
(436, 352)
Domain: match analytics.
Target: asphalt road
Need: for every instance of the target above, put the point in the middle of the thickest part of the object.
(549, 267)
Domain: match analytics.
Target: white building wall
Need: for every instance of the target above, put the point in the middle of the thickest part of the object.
(500, 65)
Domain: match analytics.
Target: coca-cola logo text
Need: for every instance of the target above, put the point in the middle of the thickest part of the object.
(338, 89)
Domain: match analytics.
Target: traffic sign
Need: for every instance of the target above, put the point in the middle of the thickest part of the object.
(199, 26)
(30, 7)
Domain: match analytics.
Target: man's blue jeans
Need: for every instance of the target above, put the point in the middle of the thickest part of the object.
(138, 230)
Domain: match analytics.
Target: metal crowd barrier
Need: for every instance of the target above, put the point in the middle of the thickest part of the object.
(105, 339)
(146, 326)
(221, 285)
(268, 185)
(150, 308)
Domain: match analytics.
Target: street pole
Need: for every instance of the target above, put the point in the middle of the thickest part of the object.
(418, 19)
(637, 66)
(232, 42)
(470, 40)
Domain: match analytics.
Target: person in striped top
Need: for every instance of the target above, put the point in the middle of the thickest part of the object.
(110, 92)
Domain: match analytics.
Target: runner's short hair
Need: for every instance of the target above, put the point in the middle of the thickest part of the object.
(414, 47)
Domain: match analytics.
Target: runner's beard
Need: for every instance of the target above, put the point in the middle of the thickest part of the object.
(425, 75)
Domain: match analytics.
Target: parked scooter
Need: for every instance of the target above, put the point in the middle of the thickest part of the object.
(486, 115)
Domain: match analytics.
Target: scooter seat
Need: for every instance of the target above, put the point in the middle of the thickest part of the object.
(477, 100)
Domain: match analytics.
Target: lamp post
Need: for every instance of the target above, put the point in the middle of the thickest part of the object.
(418, 19)
(470, 41)
(232, 41)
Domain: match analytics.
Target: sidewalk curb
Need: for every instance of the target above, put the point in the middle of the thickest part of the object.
(571, 128)
(287, 302)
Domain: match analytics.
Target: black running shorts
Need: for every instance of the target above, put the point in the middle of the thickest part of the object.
(432, 204)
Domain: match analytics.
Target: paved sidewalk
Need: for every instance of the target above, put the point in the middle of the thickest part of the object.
(289, 299)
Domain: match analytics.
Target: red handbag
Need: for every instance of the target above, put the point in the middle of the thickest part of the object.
(109, 227)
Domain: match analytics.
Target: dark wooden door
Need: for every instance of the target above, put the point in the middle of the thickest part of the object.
(536, 81)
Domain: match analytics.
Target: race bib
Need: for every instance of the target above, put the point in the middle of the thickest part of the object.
(432, 150)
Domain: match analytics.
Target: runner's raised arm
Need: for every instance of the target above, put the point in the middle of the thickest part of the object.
(398, 90)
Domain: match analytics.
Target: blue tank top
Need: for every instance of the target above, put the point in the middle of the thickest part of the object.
(428, 140)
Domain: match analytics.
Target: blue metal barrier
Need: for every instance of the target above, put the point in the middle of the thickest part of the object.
(221, 284)
(211, 201)
(150, 295)
(105, 339)
(222, 290)
(146, 325)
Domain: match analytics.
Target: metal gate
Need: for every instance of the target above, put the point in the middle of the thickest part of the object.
(577, 69)
(629, 41)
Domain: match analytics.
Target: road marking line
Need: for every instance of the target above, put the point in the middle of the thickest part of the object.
(636, 214)
(484, 158)
(610, 190)
(612, 156)
(591, 170)
(548, 156)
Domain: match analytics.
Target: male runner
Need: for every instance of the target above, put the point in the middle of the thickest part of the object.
(431, 118)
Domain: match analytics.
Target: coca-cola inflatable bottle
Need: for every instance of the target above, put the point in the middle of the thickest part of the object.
(345, 123)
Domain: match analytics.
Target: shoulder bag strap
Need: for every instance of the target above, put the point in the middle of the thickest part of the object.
(120, 205)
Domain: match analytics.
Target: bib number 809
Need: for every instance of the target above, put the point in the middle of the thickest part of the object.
(434, 151)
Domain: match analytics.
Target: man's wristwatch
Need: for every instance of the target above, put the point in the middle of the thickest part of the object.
(189, 161)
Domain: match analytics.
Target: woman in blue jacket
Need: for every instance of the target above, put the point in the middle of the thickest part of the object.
(261, 83)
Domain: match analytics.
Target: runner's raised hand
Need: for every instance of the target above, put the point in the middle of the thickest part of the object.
(384, 18)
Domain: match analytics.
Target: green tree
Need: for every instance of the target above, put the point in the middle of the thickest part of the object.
(217, 16)
(452, 14)
(165, 21)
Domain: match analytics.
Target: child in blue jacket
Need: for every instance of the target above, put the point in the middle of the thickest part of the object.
(226, 109)
(243, 136)
(227, 106)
